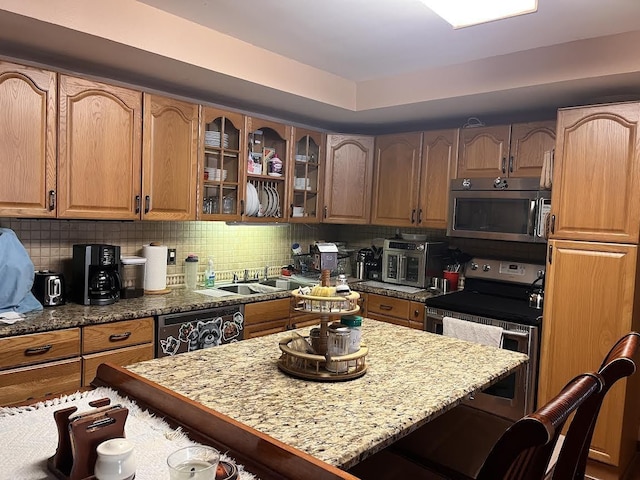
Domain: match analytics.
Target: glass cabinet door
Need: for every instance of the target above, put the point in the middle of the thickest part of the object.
(304, 204)
(222, 141)
(267, 164)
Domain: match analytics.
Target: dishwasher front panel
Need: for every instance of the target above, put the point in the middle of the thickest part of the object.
(185, 332)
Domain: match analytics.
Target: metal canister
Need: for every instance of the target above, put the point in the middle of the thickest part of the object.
(338, 344)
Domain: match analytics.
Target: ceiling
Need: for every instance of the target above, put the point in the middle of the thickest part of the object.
(355, 66)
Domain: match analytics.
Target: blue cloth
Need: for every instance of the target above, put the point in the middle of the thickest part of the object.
(16, 275)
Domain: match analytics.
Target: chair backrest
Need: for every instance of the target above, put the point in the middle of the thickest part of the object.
(524, 450)
(619, 363)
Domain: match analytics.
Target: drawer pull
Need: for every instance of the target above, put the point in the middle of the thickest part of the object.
(38, 350)
(118, 337)
(416, 313)
(386, 307)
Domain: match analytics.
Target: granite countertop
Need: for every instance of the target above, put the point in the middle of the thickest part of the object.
(412, 377)
(178, 300)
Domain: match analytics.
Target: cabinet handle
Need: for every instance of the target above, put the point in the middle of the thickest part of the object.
(419, 216)
(242, 207)
(511, 164)
(147, 203)
(291, 211)
(52, 200)
(118, 337)
(137, 203)
(553, 223)
(504, 165)
(413, 216)
(550, 253)
(386, 307)
(38, 350)
(416, 313)
(325, 211)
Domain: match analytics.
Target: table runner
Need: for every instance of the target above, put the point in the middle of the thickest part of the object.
(28, 436)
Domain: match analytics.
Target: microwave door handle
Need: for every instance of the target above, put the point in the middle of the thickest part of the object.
(532, 216)
(401, 268)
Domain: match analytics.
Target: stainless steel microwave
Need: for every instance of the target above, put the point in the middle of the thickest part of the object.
(512, 209)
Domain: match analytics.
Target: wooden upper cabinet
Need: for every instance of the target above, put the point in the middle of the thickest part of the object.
(27, 141)
(439, 153)
(306, 176)
(483, 151)
(348, 179)
(396, 175)
(588, 306)
(223, 158)
(529, 142)
(506, 150)
(98, 150)
(597, 173)
(170, 158)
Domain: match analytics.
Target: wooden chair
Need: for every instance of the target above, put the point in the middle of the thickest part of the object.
(619, 363)
(521, 453)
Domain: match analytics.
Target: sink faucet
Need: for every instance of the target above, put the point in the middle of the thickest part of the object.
(266, 273)
(256, 275)
(235, 277)
(246, 275)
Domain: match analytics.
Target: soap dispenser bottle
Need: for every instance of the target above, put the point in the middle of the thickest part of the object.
(210, 274)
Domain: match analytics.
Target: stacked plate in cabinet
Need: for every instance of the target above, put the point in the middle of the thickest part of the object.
(212, 139)
(263, 200)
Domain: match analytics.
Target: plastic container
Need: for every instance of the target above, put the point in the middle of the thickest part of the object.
(338, 344)
(191, 271)
(133, 270)
(354, 322)
(210, 274)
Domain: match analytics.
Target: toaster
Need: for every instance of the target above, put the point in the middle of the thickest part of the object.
(48, 288)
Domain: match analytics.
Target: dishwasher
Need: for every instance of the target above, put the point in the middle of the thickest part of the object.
(188, 331)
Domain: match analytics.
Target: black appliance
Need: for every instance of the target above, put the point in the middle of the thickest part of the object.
(48, 288)
(369, 264)
(497, 292)
(185, 332)
(96, 274)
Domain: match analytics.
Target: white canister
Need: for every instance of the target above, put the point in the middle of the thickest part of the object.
(115, 461)
(354, 322)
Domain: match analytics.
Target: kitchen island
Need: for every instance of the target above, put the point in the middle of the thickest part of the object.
(412, 377)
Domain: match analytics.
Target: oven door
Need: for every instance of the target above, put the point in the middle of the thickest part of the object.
(404, 267)
(514, 396)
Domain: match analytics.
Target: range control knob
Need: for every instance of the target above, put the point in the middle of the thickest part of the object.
(474, 266)
(486, 268)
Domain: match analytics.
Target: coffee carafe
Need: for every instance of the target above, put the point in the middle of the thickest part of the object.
(96, 274)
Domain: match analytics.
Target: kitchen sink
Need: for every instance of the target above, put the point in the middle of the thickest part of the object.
(249, 288)
(284, 284)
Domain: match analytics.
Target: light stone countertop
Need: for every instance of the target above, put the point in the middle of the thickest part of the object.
(412, 377)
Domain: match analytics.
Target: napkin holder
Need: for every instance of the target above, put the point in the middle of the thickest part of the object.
(80, 435)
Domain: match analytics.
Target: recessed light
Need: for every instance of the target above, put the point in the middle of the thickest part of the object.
(464, 13)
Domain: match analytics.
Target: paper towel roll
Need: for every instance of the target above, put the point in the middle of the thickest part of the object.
(155, 277)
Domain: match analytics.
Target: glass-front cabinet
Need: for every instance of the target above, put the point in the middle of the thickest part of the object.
(221, 185)
(268, 159)
(305, 177)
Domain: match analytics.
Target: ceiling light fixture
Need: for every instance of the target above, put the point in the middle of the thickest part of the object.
(464, 13)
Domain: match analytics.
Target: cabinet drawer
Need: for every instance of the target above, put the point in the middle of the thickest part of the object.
(388, 306)
(107, 336)
(384, 318)
(51, 379)
(122, 357)
(265, 328)
(416, 315)
(39, 347)
(300, 320)
(265, 311)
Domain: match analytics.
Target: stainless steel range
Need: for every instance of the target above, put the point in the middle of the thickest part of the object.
(497, 293)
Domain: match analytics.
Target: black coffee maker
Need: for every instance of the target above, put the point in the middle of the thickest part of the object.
(96, 274)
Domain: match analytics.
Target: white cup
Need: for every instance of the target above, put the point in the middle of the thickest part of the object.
(298, 211)
(116, 460)
(193, 463)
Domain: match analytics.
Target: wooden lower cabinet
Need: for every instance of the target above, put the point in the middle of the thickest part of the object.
(395, 310)
(264, 318)
(590, 302)
(49, 379)
(121, 343)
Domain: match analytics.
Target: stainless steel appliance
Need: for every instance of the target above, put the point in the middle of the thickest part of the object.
(49, 288)
(412, 262)
(185, 332)
(497, 293)
(96, 274)
(513, 209)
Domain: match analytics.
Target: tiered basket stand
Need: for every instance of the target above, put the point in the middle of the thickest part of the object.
(312, 366)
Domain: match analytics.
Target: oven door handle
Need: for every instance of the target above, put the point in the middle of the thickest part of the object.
(511, 333)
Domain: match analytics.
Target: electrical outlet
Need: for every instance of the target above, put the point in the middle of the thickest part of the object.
(171, 256)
